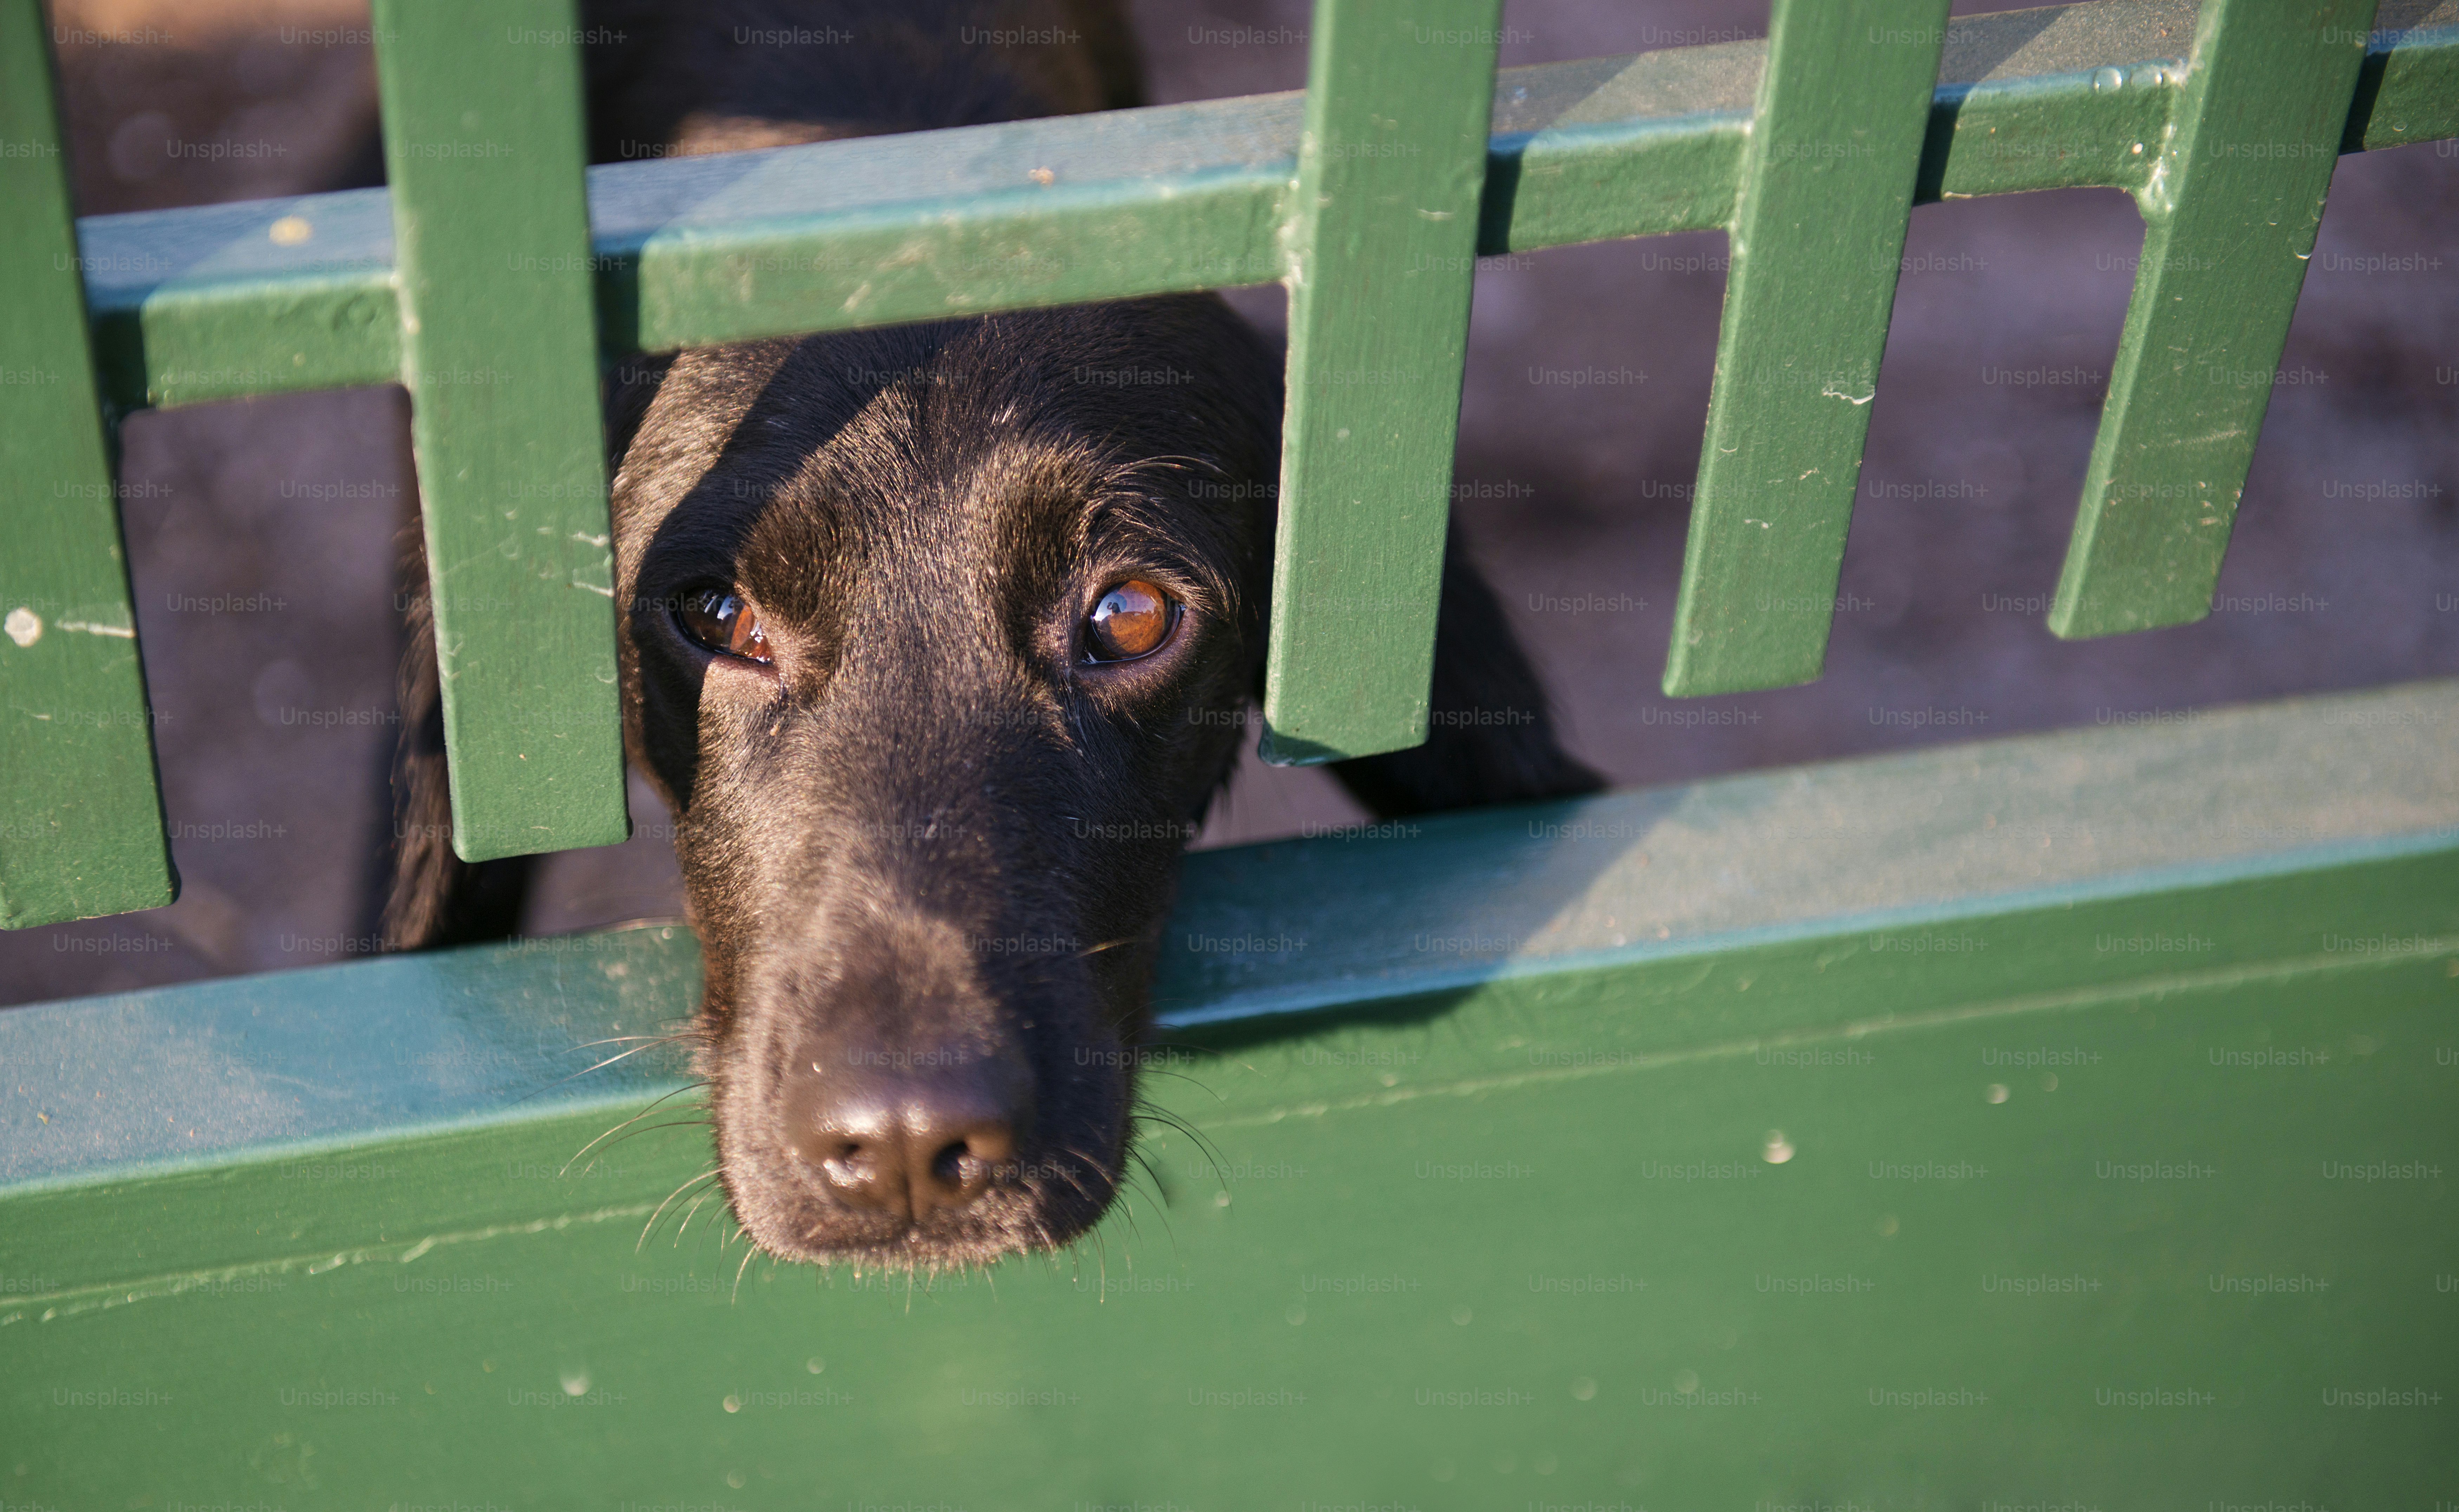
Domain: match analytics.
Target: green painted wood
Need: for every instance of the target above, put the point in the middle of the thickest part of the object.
(220, 301)
(2410, 89)
(2119, 1073)
(2013, 92)
(1993, 1324)
(1816, 238)
(482, 122)
(843, 234)
(1669, 887)
(266, 296)
(2229, 220)
(1381, 246)
(80, 814)
(929, 224)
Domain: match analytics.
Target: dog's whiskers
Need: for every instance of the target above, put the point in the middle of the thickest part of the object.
(650, 1227)
(628, 1123)
(750, 1251)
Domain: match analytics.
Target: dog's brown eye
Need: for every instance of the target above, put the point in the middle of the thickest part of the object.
(722, 622)
(1132, 619)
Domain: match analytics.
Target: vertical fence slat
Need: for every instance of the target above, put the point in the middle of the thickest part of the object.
(1382, 251)
(483, 145)
(2230, 218)
(1817, 239)
(80, 814)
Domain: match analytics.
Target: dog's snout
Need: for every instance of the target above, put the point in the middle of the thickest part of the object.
(910, 1143)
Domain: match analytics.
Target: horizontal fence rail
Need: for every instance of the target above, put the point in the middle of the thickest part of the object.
(2063, 1112)
(204, 304)
(2220, 120)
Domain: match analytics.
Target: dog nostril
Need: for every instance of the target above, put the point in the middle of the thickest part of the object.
(846, 1163)
(907, 1147)
(966, 1165)
(948, 1166)
(963, 1167)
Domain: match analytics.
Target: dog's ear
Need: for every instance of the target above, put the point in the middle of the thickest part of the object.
(1490, 738)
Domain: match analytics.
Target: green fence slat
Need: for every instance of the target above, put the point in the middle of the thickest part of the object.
(483, 144)
(2230, 217)
(201, 303)
(1382, 252)
(80, 815)
(1817, 239)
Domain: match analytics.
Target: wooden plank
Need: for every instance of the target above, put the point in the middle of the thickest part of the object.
(483, 150)
(2410, 84)
(220, 301)
(80, 814)
(265, 296)
(2229, 220)
(1381, 246)
(2005, 1121)
(843, 234)
(1681, 882)
(1930, 1287)
(1026, 213)
(2012, 90)
(1816, 238)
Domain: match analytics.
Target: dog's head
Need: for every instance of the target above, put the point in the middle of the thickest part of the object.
(935, 640)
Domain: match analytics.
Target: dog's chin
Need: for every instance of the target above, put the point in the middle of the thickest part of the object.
(1047, 1203)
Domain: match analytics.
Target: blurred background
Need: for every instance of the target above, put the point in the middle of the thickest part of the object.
(261, 532)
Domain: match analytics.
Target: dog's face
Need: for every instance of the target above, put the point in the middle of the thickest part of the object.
(935, 640)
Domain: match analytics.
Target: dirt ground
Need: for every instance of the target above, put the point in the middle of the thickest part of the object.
(260, 531)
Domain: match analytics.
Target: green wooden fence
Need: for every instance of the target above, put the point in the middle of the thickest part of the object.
(1366, 197)
(2052, 1123)
(2060, 1123)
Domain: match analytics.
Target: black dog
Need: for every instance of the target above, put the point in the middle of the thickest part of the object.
(935, 645)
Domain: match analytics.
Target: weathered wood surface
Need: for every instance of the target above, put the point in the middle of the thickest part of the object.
(1930, 1115)
(1817, 239)
(500, 352)
(203, 304)
(81, 811)
(1380, 253)
(2230, 215)
(849, 234)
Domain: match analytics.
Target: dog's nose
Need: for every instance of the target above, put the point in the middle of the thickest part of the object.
(909, 1143)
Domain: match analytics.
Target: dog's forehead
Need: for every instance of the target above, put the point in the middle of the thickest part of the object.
(933, 478)
(908, 452)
